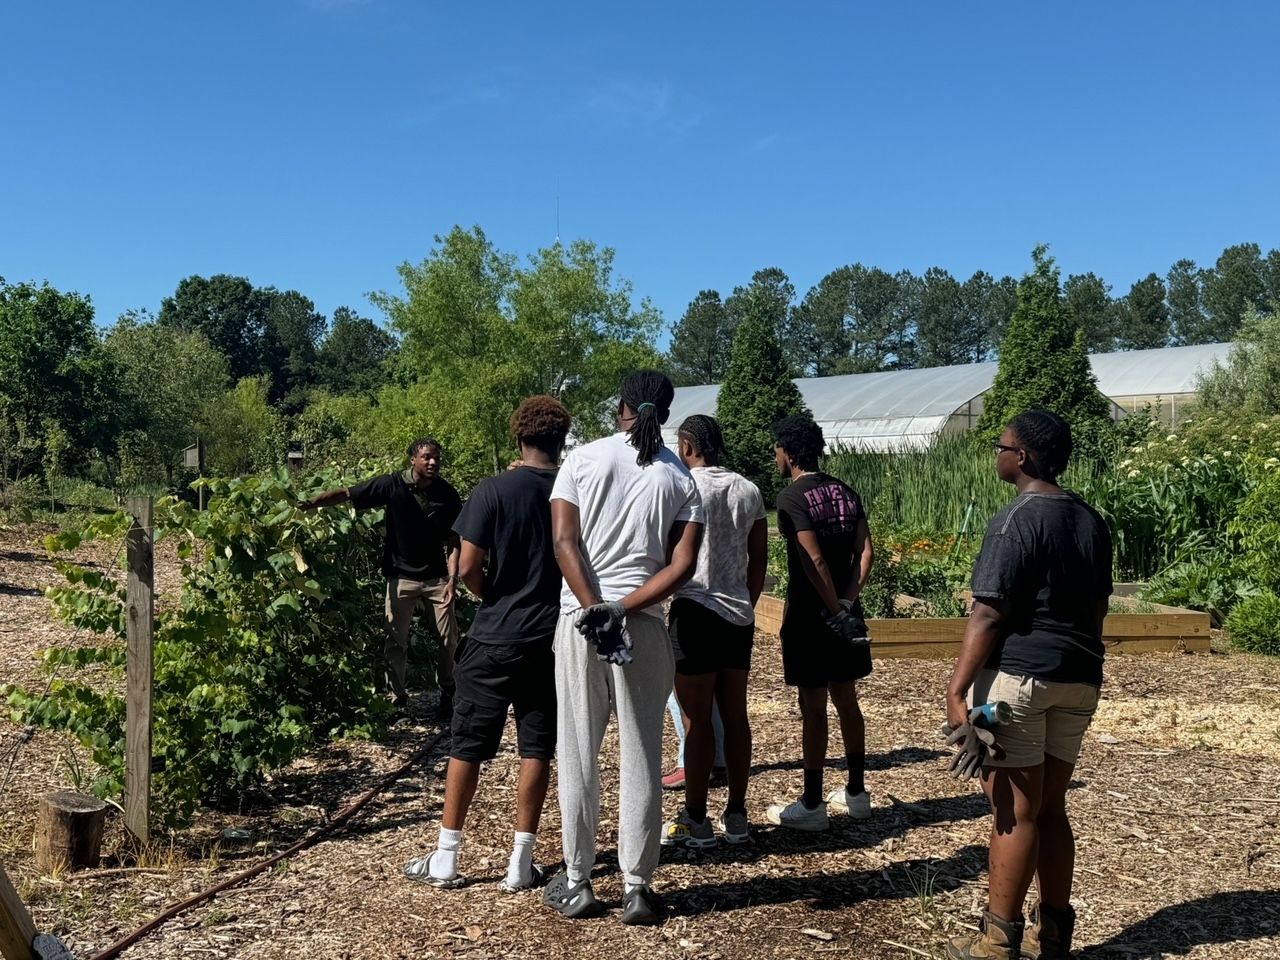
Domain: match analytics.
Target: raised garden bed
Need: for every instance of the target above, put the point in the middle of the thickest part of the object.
(1155, 628)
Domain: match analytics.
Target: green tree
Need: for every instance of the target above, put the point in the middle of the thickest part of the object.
(757, 391)
(901, 347)
(53, 369)
(228, 311)
(495, 332)
(172, 382)
(771, 295)
(1234, 284)
(1001, 301)
(290, 345)
(1249, 382)
(1087, 300)
(244, 434)
(1186, 304)
(700, 342)
(1144, 316)
(1044, 365)
(354, 354)
(948, 333)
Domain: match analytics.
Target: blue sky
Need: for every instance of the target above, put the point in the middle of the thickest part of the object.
(317, 144)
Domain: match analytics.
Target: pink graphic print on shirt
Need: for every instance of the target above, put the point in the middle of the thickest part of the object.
(833, 508)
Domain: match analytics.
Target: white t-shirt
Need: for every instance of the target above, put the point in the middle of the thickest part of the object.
(627, 512)
(731, 505)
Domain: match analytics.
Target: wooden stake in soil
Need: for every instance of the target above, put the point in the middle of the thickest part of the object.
(69, 831)
(17, 932)
(139, 608)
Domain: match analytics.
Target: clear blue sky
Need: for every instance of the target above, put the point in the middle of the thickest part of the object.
(317, 144)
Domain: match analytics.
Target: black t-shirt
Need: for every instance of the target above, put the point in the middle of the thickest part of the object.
(832, 510)
(509, 516)
(418, 522)
(1048, 556)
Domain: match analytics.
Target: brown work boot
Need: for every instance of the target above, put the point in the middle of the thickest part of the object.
(998, 940)
(1049, 935)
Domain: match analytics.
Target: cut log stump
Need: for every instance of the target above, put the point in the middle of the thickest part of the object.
(69, 831)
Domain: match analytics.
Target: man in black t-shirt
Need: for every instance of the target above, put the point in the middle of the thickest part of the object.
(508, 561)
(419, 559)
(828, 561)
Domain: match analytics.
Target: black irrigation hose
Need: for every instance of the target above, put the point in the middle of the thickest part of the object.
(341, 817)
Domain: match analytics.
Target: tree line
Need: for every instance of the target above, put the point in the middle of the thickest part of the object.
(860, 319)
(246, 369)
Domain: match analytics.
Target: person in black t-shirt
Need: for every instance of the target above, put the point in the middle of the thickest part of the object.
(509, 563)
(1034, 641)
(419, 559)
(828, 562)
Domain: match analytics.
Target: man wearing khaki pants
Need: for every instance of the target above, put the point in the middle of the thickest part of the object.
(419, 559)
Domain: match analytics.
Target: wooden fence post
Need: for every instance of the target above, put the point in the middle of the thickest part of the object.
(17, 932)
(139, 608)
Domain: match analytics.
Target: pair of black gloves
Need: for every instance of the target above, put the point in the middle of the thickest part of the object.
(605, 625)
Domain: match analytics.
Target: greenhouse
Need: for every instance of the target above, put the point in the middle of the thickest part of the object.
(898, 409)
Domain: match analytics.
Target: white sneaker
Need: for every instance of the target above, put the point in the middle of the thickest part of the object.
(856, 805)
(799, 817)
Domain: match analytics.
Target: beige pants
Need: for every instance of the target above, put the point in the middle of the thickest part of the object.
(403, 597)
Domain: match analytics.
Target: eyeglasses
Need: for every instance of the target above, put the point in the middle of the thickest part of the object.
(1001, 448)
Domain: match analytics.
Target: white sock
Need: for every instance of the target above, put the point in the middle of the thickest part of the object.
(575, 878)
(520, 866)
(444, 865)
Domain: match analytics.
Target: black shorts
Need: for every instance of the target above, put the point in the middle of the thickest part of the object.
(813, 656)
(705, 642)
(493, 677)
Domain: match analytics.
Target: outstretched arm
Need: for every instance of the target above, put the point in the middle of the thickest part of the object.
(330, 498)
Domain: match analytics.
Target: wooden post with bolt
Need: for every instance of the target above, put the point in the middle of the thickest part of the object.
(17, 932)
(139, 669)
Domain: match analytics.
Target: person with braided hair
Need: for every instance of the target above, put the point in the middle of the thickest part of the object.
(1041, 586)
(627, 523)
(712, 625)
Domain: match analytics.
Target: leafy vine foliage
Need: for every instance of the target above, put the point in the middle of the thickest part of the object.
(273, 644)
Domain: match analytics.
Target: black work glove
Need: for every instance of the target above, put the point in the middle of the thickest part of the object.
(848, 626)
(975, 744)
(605, 625)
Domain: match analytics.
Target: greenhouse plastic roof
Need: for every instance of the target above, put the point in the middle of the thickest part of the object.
(899, 408)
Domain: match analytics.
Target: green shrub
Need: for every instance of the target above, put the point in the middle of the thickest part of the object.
(275, 641)
(1254, 624)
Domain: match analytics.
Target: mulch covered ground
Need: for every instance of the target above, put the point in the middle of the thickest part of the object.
(1176, 808)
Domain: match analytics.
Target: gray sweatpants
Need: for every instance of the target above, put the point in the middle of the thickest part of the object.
(587, 689)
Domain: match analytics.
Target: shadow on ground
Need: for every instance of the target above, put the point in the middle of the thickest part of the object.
(1237, 916)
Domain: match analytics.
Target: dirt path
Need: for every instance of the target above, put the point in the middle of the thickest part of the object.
(1174, 808)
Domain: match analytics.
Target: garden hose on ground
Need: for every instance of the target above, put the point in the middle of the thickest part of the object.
(340, 818)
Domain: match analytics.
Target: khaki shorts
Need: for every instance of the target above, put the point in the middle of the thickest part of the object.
(1049, 719)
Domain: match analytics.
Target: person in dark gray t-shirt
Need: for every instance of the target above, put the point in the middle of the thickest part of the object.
(1041, 586)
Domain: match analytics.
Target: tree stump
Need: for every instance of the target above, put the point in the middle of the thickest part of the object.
(69, 831)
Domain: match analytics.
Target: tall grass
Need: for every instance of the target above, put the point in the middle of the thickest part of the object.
(931, 490)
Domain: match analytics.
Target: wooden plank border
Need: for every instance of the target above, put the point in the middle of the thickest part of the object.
(926, 637)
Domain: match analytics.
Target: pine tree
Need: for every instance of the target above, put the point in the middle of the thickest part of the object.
(1044, 365)
(757, 392)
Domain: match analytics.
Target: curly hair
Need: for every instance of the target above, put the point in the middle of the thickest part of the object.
(542, 422)
(1047, 439)
(649, 394)
(800, 435)
(421, 443)
(704, 434)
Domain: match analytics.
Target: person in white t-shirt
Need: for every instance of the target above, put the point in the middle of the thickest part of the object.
(627, 522)
(712, 626)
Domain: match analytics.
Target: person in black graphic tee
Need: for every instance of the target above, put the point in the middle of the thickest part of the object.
(828, 561)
